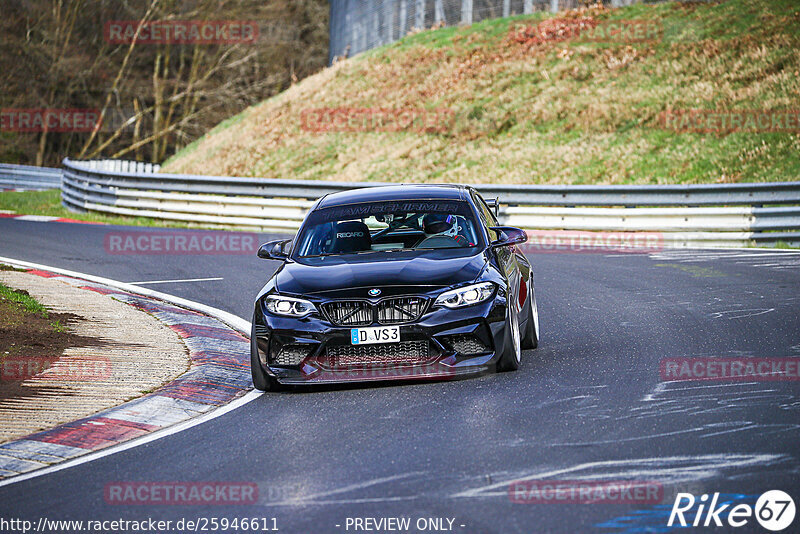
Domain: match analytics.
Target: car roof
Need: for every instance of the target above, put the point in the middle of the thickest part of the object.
(395, 192)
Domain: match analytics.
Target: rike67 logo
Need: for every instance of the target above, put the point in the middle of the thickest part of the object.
(774, 510)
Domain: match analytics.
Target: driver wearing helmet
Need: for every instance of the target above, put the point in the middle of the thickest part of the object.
(440, 228)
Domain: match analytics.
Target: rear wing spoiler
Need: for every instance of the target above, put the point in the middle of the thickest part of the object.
(494, 205)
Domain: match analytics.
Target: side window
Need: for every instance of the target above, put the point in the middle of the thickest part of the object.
(487, 217)
(490, 213)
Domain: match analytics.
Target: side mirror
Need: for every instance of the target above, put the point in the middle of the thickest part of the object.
(273, 250)
(508, 236)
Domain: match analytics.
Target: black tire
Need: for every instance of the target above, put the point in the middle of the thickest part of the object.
(530, 340)
(261, 380)
(512, 351)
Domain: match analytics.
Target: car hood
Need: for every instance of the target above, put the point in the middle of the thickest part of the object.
(393, 272)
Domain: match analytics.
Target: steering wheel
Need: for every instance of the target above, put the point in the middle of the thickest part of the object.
(394, 225)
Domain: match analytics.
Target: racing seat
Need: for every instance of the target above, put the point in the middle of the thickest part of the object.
(350, 236)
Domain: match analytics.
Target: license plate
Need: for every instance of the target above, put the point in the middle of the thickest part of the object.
(376, 334)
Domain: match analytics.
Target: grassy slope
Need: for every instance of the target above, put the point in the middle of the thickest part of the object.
(561, 112)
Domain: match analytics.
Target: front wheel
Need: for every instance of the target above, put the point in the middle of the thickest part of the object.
(512, 352)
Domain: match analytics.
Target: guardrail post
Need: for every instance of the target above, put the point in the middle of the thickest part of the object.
(438, 12)
(506, 8)
(388, 19)
(403, 16)
(466, 11)
(376, 25)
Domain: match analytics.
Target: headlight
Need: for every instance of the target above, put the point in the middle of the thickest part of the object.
(288, 306)
(465, 296)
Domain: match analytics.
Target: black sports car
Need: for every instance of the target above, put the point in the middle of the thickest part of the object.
(383, 283)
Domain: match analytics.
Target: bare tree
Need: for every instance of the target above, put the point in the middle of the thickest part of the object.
(153, 98)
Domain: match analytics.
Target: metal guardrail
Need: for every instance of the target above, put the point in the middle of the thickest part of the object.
(684, 215)
(26, 177)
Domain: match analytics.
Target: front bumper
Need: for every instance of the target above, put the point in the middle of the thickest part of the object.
(456, 342)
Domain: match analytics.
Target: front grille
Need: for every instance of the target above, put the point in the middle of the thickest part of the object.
(348, 312)
(400, 310)
(404, 352)
(395, 310)
(466, 344)
(292, 354)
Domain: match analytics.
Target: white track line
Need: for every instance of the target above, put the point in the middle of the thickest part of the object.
(174, 281)
(228, 318)
(761, 254)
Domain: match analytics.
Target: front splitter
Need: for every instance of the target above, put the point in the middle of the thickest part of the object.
(440, 373)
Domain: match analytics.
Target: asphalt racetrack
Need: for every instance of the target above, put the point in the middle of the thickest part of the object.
(589, 403)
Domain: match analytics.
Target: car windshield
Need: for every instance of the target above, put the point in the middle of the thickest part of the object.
(385, 226)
